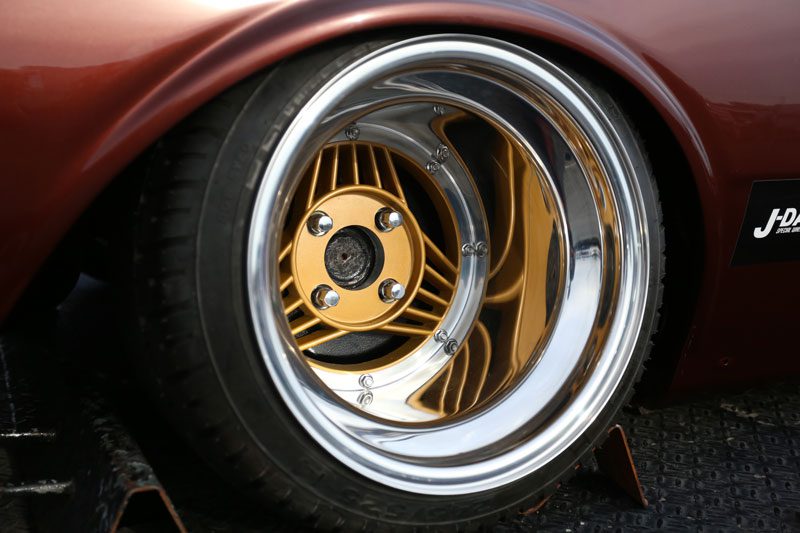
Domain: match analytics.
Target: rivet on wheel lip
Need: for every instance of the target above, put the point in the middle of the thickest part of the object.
(324, 297)
(481, 249)
(433, 166)
(468, 249)
(319, 223)
(366, 381)
(352, 132)
(438, 109)
(440, 336)
(365, 398)
(442, 153)
(451, 347)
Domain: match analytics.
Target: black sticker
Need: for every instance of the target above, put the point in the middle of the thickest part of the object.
(771, 228)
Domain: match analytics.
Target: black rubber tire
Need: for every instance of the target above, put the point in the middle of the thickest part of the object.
(193, 330)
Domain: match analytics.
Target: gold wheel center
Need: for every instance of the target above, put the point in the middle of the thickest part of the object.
(361, 242)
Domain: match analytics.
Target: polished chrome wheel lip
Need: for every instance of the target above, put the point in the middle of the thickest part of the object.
(505, 441)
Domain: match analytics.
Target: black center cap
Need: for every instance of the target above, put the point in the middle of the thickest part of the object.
(354, 257)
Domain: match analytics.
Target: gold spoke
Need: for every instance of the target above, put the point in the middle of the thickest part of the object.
(406, 329)
(506, 294)
(437, 256)
(294, 304)
(286, 280)
(431, 298)
(376, 173)
(509, 211)
(394, 179)
(303, 323)
(354, 157)
(311, 340)
(419, 314)
(480, 334)
(334, 171)
(312, 187)
(285, 252)
(437, 279)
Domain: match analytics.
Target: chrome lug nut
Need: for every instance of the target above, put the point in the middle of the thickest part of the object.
(324, 297)
(391, 291)
(319, 223)
(451, 347)
(387, 219)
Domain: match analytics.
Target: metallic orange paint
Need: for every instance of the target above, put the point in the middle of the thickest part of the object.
(86, 85)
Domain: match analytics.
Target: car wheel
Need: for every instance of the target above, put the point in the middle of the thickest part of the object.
(399, 284)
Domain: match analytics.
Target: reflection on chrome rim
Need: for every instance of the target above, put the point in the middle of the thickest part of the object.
(544, 322)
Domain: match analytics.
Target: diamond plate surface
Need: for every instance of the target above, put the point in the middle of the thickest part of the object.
(725, 463)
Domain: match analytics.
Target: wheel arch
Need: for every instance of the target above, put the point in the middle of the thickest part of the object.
(201, 73)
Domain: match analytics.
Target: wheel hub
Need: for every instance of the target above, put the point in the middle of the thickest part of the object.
(354, 257)
(358, 255)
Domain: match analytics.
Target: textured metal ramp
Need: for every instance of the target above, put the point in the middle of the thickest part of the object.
(726, 463)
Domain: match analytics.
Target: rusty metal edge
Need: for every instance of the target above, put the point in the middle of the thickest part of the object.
(164, 498)
(615, 460)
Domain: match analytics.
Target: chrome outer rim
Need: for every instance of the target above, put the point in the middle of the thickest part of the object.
(520, 431)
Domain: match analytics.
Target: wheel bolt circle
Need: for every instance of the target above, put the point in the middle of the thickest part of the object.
(324, 297)
(319, 223)
(391, 291)
(387, 219)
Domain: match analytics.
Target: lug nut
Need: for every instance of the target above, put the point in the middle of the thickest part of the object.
(324, 297)
(319, 223)
(391, 291)
(387, 219)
